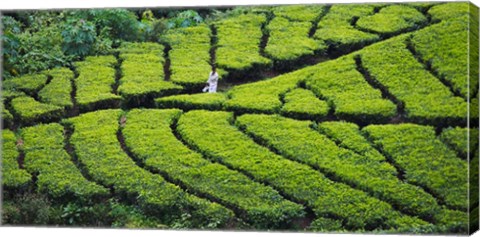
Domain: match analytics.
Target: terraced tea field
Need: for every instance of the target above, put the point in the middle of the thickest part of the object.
(357, 118)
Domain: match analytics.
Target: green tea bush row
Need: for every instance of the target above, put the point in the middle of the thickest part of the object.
(57, 92)
(143, 77)
(30, 111)
(12, 176)
(345, 88)
(264, 96)
(297, 141)
(7, 117)
(29, 84)
(57, 174)
(425, 159)
(335, 27)
(444, 47)
(99, 150)
(141, 48)
(449, 10)
(9, 94)
(425, 98)
(208, 101)
(190, 55)
(302, 104)
(289, 40)
(149, 136)
(238, 50)
(392, 19)
(305, 13)
(213, 134)
(458, 139)
(94, 83)
(473, 179)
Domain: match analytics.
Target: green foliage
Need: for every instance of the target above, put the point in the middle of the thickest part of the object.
(141, 48)
(94, 83)
(308, 13)
(190, 56)
(264, 96)
(346, 90)
(29, 84)
(227, 145)
(131, 217)
(78, 37)
(444, 46)
(302, 104)
(425, 98)
(30, 111)
(297, 141)
(325, 225)
(26, 209)
(57, 175)
(392, 19)
(236, 49)
(425, 159)
(12, 176)
(57, 92)
(143, 75)
(289, 40)
(7, 117)
(335, 27)
(98, 149)
(449, 10)
(149, 135)
(208, 101)
(347, 135)
(457, 139)
(185, 18)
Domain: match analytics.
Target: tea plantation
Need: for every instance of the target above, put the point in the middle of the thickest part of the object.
(329, 118)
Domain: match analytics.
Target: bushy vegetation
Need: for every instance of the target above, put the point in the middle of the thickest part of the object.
(12, 176)
(208, 101)
(305, 13)
(30, 111)
(260, 205)
(58, 91)
(392, 19)
(302, 104)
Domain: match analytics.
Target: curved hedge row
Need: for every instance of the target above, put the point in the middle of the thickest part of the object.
(392, 19)
(98, 148)
(425, 159)
(12, 176)
(297, 141)
(94, 83)
(290, 40)
(238, 50)
(350, 95)
(212, 133)
(425, 98)
(304, 13)
(458, 139)
(335, 27)
(208, 101)
(57, 174)
(30, 111)
(303, 104)
(29, 84)
(149, 136)
(58, 91)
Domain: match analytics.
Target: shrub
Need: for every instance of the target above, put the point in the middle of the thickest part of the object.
(457, 139)
(392, 19)
(149, 135)
(30, 111)
(12, 176)
(290, 40)
(305, 13)
(237, 50)
(29, 84)
(425, 159)
(78, 37)
(7, 117)
(302, 104)
(57, 92)
(346, 90)
(227, 145)
(335, 27)
(57, 174)
(393, 66)
(97, 147)
(26, 209)
(208, 101)
(444, 46)
(449, 10)
(297, 141)
(94, 83)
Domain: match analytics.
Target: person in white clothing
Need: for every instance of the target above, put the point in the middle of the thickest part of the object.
(212, 82)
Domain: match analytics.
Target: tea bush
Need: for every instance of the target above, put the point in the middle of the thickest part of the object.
(58, 91)
(208, 101)
(302, 104)
(12, 176)
(30, 111)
